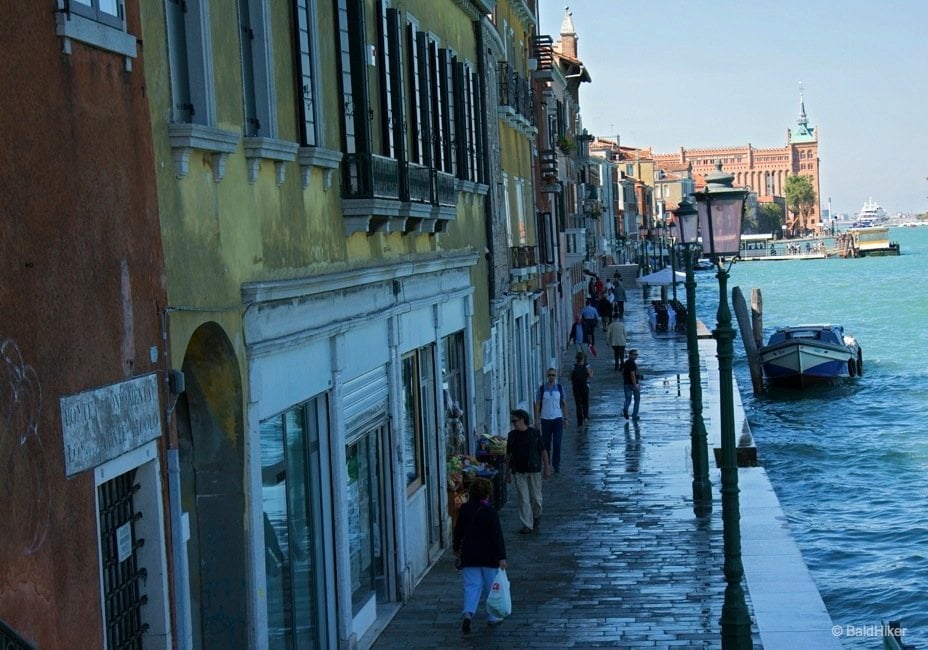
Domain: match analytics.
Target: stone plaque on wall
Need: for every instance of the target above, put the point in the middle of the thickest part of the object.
(102, 424)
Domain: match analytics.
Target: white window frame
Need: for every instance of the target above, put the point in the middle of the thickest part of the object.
(85, 22)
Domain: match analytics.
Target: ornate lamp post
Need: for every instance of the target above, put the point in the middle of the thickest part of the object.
(685, 215)
(643, 234)
(721, 207)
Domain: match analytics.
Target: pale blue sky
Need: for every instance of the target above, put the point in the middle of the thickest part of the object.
(712, 73)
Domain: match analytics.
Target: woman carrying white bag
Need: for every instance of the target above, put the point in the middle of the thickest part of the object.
(481, 556)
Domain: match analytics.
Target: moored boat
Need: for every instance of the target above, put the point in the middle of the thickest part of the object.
(872, 241)
(802, 354)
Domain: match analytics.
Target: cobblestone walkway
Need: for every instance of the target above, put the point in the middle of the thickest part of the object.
(619, 560)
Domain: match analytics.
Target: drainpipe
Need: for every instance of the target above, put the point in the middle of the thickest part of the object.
(180, 525)
(180, 533)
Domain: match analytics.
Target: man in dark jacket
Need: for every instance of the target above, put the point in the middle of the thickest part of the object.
(481, 551)
(527, 466)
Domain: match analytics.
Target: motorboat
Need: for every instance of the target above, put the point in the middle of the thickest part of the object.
(802, 354)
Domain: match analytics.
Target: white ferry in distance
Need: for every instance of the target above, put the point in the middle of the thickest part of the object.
(870, 215)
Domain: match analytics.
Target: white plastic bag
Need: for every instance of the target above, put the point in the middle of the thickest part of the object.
(499, 603)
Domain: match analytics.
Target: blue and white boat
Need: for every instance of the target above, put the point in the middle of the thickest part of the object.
(802, 354)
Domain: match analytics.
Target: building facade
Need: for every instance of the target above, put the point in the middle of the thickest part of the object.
(563, 198)
(324, 186)
(765, 170)
(86, 455)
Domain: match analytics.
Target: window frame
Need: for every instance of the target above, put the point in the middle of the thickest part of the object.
(92, 26)
(413, 434)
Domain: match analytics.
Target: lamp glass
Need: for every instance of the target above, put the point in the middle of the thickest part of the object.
(689, 226)
(721, 233)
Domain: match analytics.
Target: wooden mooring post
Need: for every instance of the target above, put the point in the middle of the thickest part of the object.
(751, 326)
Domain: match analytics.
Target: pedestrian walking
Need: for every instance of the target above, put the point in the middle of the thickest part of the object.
(619, 296)
(590, 315)
(632, 381)
(604, 307)
(577, 334)
(551, 412)
(580, 384)
(479, 549)
(526, 467)
(616, 336)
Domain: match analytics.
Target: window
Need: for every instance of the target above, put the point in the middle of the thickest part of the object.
(413, 461)
(132, 549)
(99, 23)
(446, 72)
(352, 63)
(454, 387)
(190, 58)
(417, 70)
(365, 518)
(307, 56)
(292, 505)
(108, 12)
(257, 77)
(419, 416)
(386, 52)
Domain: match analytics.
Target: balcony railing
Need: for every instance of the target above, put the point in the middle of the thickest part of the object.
(523, 257)
(516, 93)
(380, 194)
(543, 53)
(420, 183)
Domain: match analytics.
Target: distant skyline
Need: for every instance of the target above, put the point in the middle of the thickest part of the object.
(701, 73)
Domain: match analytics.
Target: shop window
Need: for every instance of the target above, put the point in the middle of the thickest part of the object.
(365, 512)
(292, 506)
(454, 389)
(413, 461)
(419, 413)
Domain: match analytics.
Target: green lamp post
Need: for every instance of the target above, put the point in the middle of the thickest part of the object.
(686, 218)
(720, 208)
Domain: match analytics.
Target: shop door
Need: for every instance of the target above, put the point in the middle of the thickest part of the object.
(367, 539)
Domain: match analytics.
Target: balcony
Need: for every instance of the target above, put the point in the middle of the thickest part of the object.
(516, 99)
(381, 195)
(543, 53)
(523, 262)
(548, 167)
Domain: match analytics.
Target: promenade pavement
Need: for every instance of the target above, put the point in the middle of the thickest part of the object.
(619, 559)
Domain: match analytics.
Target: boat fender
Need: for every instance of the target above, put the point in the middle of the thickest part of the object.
(851, 367)
(860, 362)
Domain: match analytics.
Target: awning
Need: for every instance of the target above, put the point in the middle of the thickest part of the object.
(661, 278)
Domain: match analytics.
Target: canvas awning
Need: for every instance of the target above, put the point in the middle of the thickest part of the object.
(661, 278)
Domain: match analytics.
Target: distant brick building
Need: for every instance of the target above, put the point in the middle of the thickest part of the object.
(764, 170)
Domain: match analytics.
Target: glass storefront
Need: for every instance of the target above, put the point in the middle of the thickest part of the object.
(291, 499)
(365, 518)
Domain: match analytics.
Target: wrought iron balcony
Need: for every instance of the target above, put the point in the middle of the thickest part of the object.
(543, 53)
(381, 195)
(548, 166)
(516, 95)
(523, 262)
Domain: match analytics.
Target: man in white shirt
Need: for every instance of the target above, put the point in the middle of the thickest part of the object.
(551, 412)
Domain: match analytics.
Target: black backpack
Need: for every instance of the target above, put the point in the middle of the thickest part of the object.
(579, 375)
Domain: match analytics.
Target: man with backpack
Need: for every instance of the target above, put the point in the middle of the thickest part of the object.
(551, 411)
(580, 383)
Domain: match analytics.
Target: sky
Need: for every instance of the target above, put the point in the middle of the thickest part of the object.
(716, 73)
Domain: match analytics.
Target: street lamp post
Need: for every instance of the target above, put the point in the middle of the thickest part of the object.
(685, 215)
(720, 208)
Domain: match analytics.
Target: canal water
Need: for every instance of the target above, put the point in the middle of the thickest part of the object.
(850, 463)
